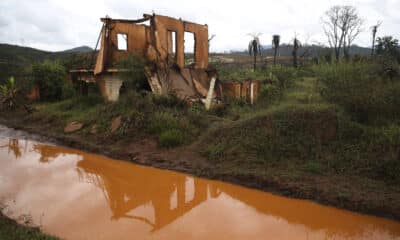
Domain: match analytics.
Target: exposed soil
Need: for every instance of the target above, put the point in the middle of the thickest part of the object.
(348, 192)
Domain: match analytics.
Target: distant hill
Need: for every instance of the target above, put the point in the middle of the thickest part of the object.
(14, 59)
(81, 49)
(20, 55)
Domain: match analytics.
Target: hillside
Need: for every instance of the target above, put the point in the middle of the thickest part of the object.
(81, 49)
(14, 59)
(20, 55)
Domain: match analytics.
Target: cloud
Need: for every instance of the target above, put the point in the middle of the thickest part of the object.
(59, 24)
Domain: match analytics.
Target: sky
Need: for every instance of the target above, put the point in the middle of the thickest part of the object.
(56, 25)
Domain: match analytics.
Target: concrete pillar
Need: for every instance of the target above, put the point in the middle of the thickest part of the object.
(112, 87)
(109, 87)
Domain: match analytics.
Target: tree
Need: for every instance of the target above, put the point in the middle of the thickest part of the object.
(275, 44)
(296, 46)
(388, 47)
(374, 30)
(255, 48)
(341, 25)
(50, 78)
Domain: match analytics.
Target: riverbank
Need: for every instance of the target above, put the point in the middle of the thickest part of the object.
(355, 193)
(330, 133)
(11, 230)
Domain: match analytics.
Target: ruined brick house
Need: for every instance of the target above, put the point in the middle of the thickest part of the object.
(160, 40)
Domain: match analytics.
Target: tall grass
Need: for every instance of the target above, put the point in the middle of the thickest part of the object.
(361, 90)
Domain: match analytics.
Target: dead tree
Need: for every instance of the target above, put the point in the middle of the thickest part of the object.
(341, 25)
(275, 44)
(296, 46)
(374, 30)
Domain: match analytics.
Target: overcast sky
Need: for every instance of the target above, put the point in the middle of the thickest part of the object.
(61, 24)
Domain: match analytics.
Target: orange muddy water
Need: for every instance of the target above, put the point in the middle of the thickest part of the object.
(77, 195)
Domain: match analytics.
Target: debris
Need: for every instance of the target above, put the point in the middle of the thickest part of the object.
(116, 123)
(93, 130)
(73, 127)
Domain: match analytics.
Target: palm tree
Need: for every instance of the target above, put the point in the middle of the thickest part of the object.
(255, 47)
(296, 46)
(275, 43)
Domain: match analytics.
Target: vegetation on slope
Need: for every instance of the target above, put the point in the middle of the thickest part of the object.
(326, 131)
(10, 230)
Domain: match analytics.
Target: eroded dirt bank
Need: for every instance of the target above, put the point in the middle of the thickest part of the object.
(117, 200)
(351, 193)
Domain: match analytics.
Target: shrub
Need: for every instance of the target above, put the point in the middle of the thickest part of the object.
(163, 121)
(171, 138)
(270, 92)
(360, 88)
(50, 79)
(284, 75)
(68, 91)
(134, 75)
(313, 167)
(8, 94)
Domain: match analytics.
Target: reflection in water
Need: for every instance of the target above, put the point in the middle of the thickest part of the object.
(149, 203)
(14, 147)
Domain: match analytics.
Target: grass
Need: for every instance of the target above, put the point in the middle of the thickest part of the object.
(295, 122)
(164, 117)
(305, 125)
(11, 230)
(313, 132)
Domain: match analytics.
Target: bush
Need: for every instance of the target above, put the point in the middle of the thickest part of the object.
(134, 77)
(361, 89)
(50, 79)
(68, 90)
(163, 121)
(270, 92)
(171, 138)
(284, 75)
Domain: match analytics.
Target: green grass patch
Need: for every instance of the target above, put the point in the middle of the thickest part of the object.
(171, 138)
(11, 230)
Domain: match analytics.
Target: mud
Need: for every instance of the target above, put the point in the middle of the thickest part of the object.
(78, 195)
(144, 150)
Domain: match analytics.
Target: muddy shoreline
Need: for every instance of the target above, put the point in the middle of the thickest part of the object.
(187, 160)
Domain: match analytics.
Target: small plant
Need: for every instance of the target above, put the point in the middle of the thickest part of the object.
(171, 138)
(270, 92)
(313, 167)
(8, 94)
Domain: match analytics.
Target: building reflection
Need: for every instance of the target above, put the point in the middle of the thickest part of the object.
(129, 187)
(15, 147)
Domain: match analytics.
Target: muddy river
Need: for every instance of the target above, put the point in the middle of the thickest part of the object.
(77, 195)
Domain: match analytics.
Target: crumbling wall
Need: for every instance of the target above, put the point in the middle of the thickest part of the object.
(247, 90)
(166, 71)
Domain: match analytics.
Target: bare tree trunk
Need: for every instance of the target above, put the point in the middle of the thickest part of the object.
(255, 61)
